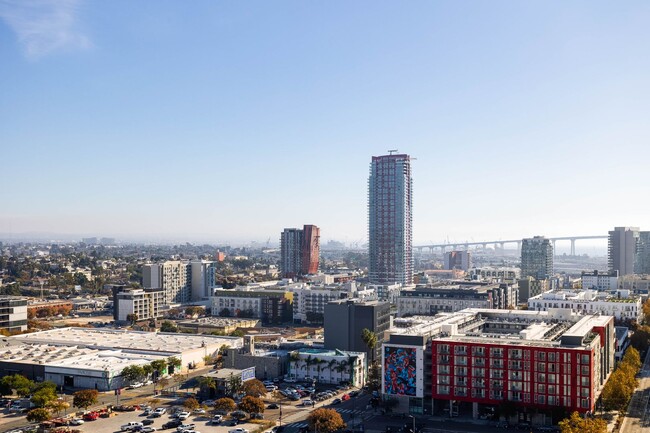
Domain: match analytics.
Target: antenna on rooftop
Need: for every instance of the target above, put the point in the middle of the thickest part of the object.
(390, 152)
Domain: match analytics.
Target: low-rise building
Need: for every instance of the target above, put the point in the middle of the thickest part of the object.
(620, 303)
(455, 297)
(13, 313)
(145, 304)
(328, 366)
(271, 306)
(600, 280)
(224, 325)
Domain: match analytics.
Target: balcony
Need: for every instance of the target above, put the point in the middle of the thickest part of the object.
(480, 362)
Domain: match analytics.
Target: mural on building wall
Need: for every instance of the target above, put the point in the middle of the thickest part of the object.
(399, 371)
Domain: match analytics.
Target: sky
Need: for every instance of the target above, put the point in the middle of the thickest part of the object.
(225, 121)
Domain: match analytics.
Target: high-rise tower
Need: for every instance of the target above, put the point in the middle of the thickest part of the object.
(299, 251)
(621, 249)
(536, 258)
(390, 219)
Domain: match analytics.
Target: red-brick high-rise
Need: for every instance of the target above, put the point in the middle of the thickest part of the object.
(309, 249)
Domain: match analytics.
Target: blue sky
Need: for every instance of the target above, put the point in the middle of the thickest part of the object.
(227, 121)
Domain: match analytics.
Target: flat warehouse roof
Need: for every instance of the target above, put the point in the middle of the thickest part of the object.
(123, 339)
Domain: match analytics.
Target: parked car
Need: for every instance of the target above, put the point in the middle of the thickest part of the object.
(147, 421)
(216, 419)
(76, 421)
(160, 411)
(184, 427)
(336, 401)
(239, 414)
(147, 429)
(257, 416)
(289, 380)
(272, 406)
(136, 385)
(90, 416)
(238, 430)
(171, 424)
(209, 402)
(131, 425)
(183, 415)
(199, 411)
(277, 429)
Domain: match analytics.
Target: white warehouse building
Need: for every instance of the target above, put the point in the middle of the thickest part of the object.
(621, 303)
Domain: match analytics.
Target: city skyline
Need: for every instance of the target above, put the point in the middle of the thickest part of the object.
(520, 117)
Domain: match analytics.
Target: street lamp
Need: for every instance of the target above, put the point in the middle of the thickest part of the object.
(412, 416)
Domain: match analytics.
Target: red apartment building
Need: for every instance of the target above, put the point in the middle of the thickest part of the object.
(480, 358)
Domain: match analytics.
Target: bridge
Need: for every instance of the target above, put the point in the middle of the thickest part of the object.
(500, 244)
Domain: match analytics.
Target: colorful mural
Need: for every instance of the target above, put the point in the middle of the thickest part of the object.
(399, 371)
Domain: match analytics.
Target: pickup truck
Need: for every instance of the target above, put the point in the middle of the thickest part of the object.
(131, 425)
(184, 427)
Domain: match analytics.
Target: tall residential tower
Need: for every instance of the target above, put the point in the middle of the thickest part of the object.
(536, 258)
(622, 248)
(390, 219)
(299, 251)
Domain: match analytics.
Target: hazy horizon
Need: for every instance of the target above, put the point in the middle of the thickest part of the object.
(231, 121)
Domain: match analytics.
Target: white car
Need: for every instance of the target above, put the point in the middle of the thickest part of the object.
(216, 419)
(199, 411)
(131, 425)
(76, 421)
(238, 430)
(183, 416)
(136, 385)
(160, 411)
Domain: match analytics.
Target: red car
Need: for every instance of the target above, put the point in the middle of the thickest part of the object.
(90, 416)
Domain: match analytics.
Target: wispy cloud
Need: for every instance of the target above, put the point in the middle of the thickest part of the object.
(44, 26)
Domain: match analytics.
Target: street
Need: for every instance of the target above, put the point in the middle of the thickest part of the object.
(637, 419)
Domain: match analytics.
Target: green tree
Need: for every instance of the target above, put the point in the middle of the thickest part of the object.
(38, 415)
(132, 318)
(43, 394)
(314, 317)
(325, 421)
(167, 326)
(225, 404)
(159, 366)
(374, 376)
(133, 373)
(369, 338)
(16, 383)
(252, 404)
(233, 384)
(577, 424)
(58, 406)
(254, 388)
(206, 382)
(225, 313)
(191, 403)
(174, 362)
(85, 398)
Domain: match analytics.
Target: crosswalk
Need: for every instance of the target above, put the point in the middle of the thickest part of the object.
(301, 424)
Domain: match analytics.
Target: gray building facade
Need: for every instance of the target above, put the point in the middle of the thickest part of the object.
(345, 320)
(536, 258)
(621, 249)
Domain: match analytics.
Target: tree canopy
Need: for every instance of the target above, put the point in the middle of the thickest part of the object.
(325, 421)
(225, 404)
(254, 388)
(191, 403)
(252, 404)
(38, 415)
(85, 398)
(577, 424)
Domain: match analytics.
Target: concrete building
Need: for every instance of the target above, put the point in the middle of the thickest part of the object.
(387, 292)
(620, 304)
(173, 276)
(328, 366)
(600, 280)
(458, 260)
(299, 251)
(501, 275)
(536, 258)
(207, 325)
(93, 358)
(144, 303)
(204, 279)
(13, 313)
(473, 360)
(456, 297)
(390, 220)
(621, 249)
(642, 259)
(346, 319)
(270, 306)
(529, 287)
(637, 284)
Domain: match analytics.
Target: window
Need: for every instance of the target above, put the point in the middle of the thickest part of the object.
(585, 369)
(541, 399)
(585, 359)
(541, 356)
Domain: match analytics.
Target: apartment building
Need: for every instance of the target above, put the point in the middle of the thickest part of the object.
(475, 359)
(600, 280)
(13, 313)
(270, 306)
(172, 276)
(144, 303)
(621, 304)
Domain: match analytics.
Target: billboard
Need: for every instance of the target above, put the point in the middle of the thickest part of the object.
(400, 377)
(248, 374)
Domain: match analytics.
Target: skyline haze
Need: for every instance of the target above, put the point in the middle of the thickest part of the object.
(228, 123)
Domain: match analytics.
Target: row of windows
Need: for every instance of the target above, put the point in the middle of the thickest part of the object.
(497, 352)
